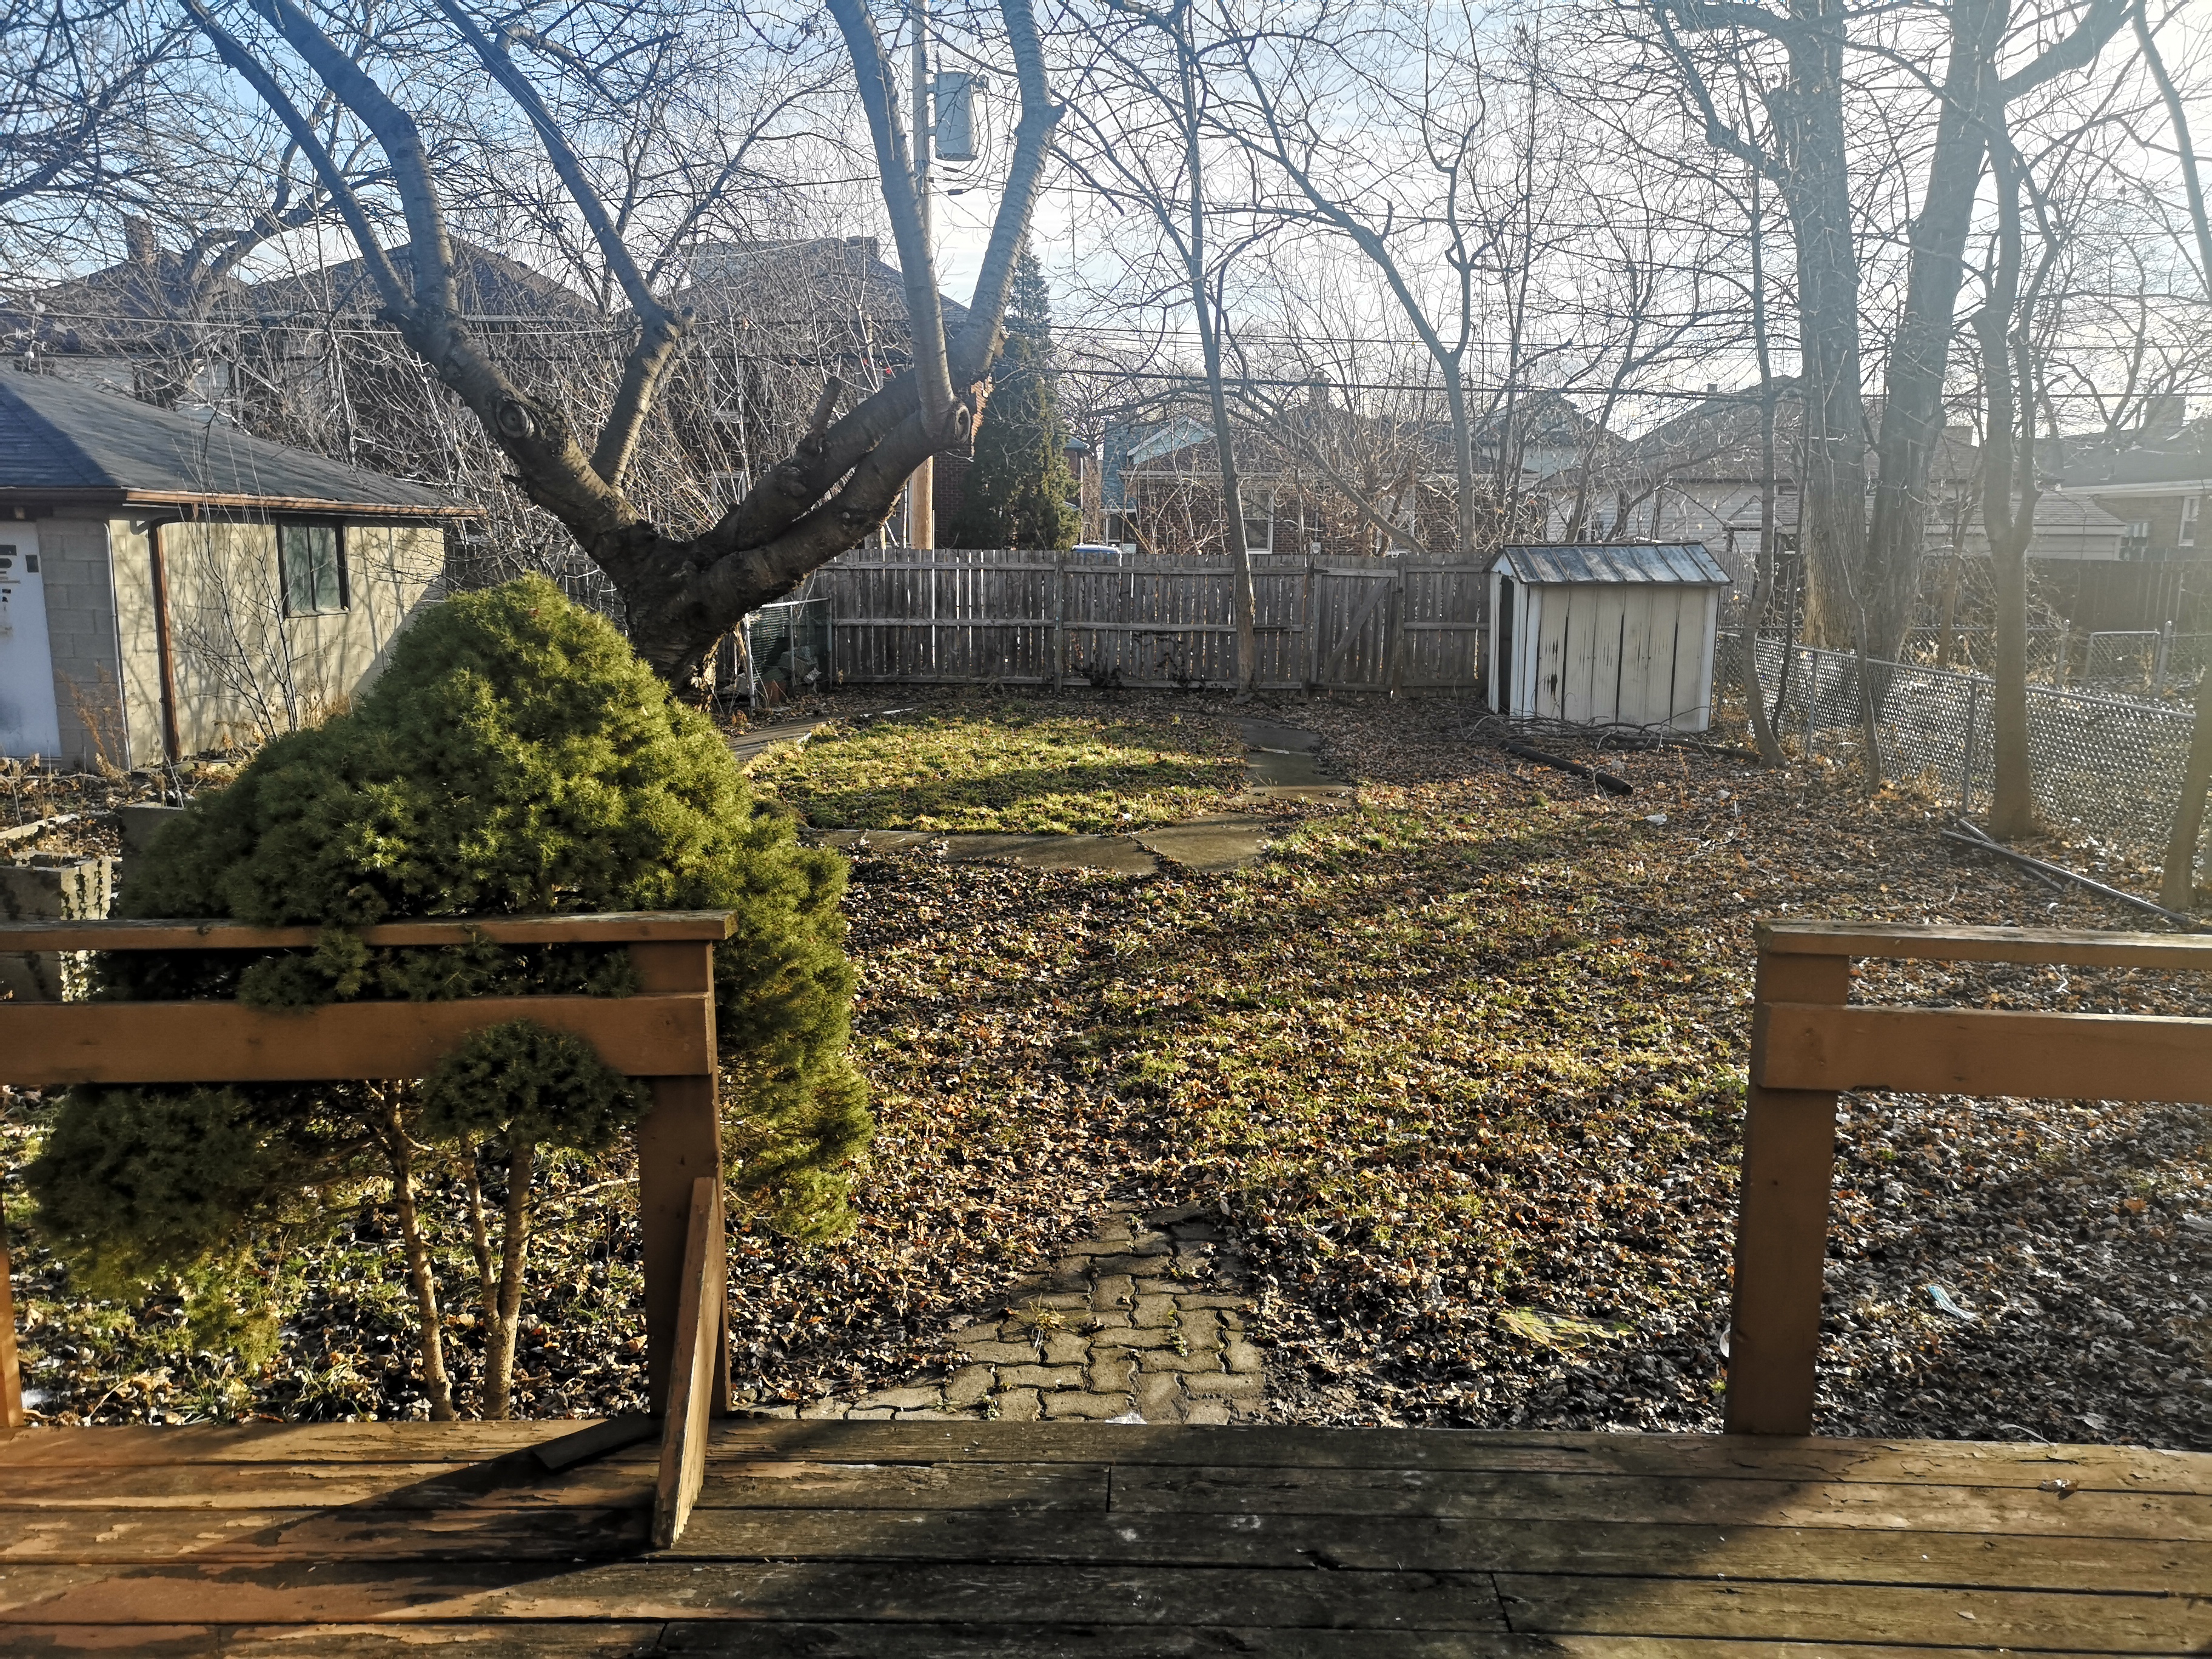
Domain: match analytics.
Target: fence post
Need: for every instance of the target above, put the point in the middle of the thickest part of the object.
(1966, 755)
(679, 1140)
(1810, 691)
(1393, 632)
(1308, 595)
(2165, 651)
(1059, 619)
(1782, 1217)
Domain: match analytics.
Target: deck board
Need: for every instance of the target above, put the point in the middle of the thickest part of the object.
(965, 1540)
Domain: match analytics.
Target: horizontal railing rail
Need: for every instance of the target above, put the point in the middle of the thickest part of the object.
(1809, 1042)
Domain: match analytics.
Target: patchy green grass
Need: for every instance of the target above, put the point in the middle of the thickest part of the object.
(1011, 764)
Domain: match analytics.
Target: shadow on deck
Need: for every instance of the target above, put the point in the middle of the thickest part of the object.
(888, 1540)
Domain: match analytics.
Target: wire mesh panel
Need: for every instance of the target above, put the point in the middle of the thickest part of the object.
(2112, 765)
(788, 646)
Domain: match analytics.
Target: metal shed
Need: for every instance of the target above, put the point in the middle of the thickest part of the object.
(1605, 634)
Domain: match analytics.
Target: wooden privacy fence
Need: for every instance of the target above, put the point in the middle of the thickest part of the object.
(1807, 1045)
(1410, 622)
(664, 1034)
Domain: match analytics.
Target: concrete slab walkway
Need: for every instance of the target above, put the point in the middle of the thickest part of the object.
(1280, 764)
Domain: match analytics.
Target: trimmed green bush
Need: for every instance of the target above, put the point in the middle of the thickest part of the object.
(515, 756)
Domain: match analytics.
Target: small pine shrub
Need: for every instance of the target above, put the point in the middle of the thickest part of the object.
(515, 756)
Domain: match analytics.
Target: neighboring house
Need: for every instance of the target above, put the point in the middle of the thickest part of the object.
(155, 325)
(1305, 474)
(170, 585)
(2154, 481)
(2145, 558)
(1699, 476)
(769, 320)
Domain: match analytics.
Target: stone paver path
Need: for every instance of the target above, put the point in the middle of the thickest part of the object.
(1145, 1320)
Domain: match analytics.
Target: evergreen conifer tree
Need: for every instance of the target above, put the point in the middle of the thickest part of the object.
(516, 756)
(1015, 495)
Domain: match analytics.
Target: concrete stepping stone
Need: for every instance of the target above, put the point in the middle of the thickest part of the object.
(1119, 855)
(1280, 764)
(750, 745)
(1208, 844)
(1143, 1320)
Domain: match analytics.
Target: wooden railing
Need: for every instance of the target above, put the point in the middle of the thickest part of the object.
(1807, 1045)
(664, 1035)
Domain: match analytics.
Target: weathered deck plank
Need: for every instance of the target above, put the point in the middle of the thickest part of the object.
(962, 1540)
(1355, 1543)
(1977, 1463)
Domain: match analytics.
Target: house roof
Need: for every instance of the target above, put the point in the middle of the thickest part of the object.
(1679, 563)
(2138, 463)
(61, 442)
(488, 287)
(782, 285)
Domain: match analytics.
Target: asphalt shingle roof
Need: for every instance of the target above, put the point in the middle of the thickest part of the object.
(58, 439)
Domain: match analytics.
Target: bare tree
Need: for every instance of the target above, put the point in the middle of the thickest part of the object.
(2004, 327)
(2178, 880)
(1147, 125)
(1863, 573)
(681, 592)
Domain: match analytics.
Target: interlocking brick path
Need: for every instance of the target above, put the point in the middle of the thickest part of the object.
(1144, 1318)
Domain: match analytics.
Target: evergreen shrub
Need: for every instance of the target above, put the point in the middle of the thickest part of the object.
(515, 756)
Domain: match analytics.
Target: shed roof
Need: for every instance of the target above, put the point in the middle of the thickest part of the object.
(61, 441)
(1679, 563)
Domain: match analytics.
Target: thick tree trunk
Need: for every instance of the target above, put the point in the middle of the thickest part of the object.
(2177, 883)
(1242, 600)
(2012, 813)
(1912, 404)
(1463, 457)
(1808, 116)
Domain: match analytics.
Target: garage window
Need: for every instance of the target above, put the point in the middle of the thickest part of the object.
(313, 560)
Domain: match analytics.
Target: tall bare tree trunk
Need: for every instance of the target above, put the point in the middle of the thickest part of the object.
(1912, 404)
(2176, 886)
(1762, 586)
(2001, 326)
(1816, 187)
(2012, 812)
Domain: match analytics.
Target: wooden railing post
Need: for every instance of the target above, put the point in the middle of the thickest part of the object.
(1782, 1217)
(699, 1383)
(679, 1141)
(11, 1374)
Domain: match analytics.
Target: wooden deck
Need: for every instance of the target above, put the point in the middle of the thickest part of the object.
(888, 1540)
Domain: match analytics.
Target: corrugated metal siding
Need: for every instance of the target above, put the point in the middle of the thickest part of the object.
(1681, 563)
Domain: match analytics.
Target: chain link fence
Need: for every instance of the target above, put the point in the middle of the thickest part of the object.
(2111, 765)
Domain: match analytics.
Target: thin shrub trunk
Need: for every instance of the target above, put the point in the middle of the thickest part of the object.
(436, 1381)
(506, 1310)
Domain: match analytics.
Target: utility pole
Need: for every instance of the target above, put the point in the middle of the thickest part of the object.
(922, 487)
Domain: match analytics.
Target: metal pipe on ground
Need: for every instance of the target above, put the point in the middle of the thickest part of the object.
(1610, 782)
(1969, 834)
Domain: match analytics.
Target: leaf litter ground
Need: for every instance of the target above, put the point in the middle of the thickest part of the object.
(1462, 1065)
